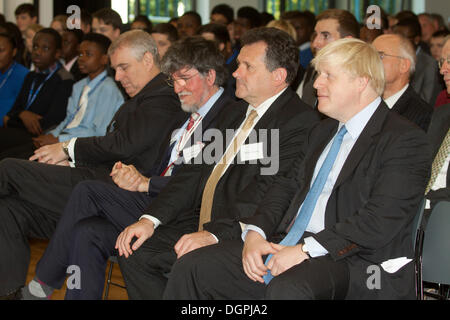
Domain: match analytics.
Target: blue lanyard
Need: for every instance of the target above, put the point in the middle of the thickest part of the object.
(11, 69)
(33, 94)
(234, 55)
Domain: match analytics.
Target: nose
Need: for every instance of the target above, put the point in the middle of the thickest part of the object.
(119, 75)
(445, 68)
(317, 43)
(237, 72)
(177, 87)
(318, 82)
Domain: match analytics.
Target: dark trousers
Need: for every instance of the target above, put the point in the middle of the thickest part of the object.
(145, 272)
(86, 235)
(13, 137)
(215, 272)
(22, 151)
(32, 199)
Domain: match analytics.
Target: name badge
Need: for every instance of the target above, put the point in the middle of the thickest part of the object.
(252, 151)
(192, 151)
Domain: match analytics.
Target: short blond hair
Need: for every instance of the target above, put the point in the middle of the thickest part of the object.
(285, 26)
(357, 57)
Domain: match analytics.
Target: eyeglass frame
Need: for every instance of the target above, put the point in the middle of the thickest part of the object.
(441, 61)
(171, 81)
(384, 54)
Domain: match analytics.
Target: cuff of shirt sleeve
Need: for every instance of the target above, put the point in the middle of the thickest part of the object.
(314, 248)
(155, 221)
(249, 227)
(71, 149)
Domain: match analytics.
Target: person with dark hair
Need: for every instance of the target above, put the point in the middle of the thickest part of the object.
(219, 34)
(120, 206)
(164, 34)
(428, 27)
(304, 27)
(331, 25)
(108, 22)
(33, 194)
(196, 208)
(143, 23)
(188, 24)
(426, 77)
(12, 74)
(90, 108)
(43, 97)
(437, 43)
(266, 18)
(222, 14)
(247, 18)
(21, 56)
(26, 15)
(71, 42)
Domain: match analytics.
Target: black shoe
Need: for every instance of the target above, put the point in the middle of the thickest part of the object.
(15, 295)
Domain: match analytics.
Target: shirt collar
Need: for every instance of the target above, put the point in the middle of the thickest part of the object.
(357, 123)
(392, 100)
(263, 107)
(208, 105)
(50, 69)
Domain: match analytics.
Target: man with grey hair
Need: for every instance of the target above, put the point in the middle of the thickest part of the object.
(33, 194)
(399, 57)
(97, 211)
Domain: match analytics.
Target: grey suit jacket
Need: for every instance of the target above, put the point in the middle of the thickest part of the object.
(426, 78)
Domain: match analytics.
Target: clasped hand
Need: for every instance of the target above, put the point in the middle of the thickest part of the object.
(283, 257)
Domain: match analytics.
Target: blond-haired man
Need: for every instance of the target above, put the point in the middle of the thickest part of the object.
(339, 226)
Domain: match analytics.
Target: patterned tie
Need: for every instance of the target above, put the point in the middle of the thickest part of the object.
(303, 217)
(216, 174)
(81, 110)
(439, 160)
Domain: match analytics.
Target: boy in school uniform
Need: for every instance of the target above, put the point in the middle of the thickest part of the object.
(93, 102)
(41, 103)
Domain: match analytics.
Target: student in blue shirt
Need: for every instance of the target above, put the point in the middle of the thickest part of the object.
(93, 102)
(12, 74)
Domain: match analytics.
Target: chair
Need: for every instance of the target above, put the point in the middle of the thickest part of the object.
(434, 251)
(112, 260)
(417, 235)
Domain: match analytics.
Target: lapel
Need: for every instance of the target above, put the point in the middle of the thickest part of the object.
(363, 143)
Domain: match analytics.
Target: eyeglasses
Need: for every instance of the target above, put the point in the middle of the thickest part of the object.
(442, 60)
(382, 55)
(182, 81)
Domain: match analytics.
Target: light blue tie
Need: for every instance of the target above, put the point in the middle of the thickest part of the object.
(303, 217)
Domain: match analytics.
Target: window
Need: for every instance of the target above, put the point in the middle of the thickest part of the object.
(158, 10)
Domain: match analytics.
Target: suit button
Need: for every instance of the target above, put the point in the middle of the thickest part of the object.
(341, 252)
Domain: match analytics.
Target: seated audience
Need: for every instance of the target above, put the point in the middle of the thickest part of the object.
(438, 188)
(143, 23)
(78, 235)
(33, 195)
(188, 24)
(426, 77)
(12, 74)
(42, 101)
(91, 106)
(399, 60)
(71, 40)
(345, 207)
(428, 27)
(164, 34)
(222, 14)
(196, 209)
(247, 18)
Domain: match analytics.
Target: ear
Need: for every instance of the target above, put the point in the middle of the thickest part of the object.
(405, 64)
(14, 52)
(148, 60)
(362, 83)
(279, 75)
(221, 46)
(211, 77)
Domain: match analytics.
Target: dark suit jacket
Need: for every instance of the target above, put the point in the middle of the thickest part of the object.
(426, 78)
(414, 108)
(157, 182)
(439, 126)
(180, 201)
(137, 130)
(369, 215)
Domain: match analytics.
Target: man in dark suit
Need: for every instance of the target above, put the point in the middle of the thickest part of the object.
(331, 25)
(97, 212)
(344, 214)
(398, 56)
(271, 115)
(439, 186)
(33, 195)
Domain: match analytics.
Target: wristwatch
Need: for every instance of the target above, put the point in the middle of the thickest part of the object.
(65, 147)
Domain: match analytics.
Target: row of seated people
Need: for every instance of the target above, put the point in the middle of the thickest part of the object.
(105, 154)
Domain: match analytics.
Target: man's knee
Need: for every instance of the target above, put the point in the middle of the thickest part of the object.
(283, 288)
